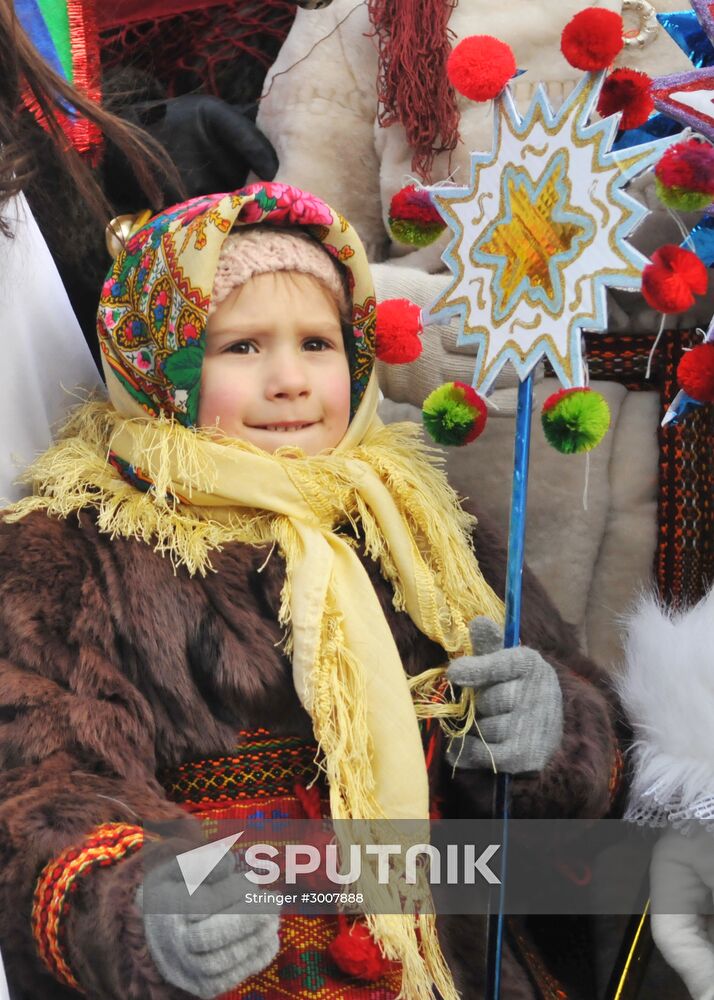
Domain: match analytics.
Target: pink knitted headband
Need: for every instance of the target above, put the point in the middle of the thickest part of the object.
(265, 249)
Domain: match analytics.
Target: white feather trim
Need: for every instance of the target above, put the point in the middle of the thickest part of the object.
(667, 690)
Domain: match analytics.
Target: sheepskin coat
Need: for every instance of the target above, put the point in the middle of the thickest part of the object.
(113, 667)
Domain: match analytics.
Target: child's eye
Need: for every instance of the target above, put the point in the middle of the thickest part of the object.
(317, 344)
(241, 347)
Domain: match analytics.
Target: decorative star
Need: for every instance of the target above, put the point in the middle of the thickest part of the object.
(688, 97)
(685, 28)
(540, 233)
(536, 235)
(680, 408)
(693, 32)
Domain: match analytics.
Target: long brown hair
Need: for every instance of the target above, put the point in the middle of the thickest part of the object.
(22, 66)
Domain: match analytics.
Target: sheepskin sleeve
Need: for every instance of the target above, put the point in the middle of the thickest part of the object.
(76, 763)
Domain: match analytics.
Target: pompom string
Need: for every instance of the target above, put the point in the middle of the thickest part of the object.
(686, 233)
(586, 485)
(650, 357)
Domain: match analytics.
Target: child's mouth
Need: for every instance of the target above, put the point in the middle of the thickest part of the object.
(285, 427)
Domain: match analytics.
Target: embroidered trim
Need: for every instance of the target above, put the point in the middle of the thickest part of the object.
(261, 766)
(547, 984)
(684, 559)
(616, 774)
(106, 845)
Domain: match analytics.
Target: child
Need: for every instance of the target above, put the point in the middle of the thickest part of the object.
(187, 606)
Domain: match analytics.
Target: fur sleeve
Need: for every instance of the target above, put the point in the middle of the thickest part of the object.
(76, 750)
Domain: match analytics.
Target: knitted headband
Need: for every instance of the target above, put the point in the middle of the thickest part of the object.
(263, 250)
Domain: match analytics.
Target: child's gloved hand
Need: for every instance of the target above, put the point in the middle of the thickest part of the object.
(519, 703)
(208, 953)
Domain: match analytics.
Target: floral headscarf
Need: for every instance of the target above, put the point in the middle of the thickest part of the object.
(154, 303)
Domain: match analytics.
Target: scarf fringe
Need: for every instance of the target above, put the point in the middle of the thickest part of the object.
(440, 528)
(184, 536)
(75, 474)
(423, 963)
(434, 698)
(338, 704)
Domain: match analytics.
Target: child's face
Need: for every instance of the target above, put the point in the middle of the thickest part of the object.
(275, 371)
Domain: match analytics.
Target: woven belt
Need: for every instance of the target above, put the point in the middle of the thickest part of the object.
(261, 766)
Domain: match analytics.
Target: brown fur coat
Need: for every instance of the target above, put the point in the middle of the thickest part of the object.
(112, 667)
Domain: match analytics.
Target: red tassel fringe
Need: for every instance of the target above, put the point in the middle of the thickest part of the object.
(84, 38)
(83, 135)
(413, 87)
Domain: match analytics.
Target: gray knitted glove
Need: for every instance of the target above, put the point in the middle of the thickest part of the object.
(208, 953)
(519, 703)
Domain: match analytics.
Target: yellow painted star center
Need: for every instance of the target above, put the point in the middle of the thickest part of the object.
(531, 237)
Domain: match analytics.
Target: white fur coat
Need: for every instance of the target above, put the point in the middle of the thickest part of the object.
(667, 690)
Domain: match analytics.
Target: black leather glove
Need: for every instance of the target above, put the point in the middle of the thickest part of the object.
(212, 144)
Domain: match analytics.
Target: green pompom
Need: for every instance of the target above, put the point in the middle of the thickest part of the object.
(575, 420)
(680, 199)
(454, 414)
(415, 234)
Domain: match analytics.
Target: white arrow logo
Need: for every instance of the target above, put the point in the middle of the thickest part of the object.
(197, 864)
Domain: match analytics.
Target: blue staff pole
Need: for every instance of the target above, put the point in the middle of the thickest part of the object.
(514, 582)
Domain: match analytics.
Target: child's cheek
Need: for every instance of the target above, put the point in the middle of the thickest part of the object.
(343, 393)
(221, 398)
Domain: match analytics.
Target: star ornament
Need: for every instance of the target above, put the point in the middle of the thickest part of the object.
(540, 233)
(691, 29)
(688, 98)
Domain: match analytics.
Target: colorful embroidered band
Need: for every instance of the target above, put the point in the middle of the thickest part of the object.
(261, 766)
(106, 845)
(616, 773)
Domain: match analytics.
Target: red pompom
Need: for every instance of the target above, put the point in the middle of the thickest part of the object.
(688, 165)
(356, 953)
(479, 407)
(480, 67)
(695, 373)
(415, 205)
(628, 91)
(592, 39)
(674, 277)
(398, 327)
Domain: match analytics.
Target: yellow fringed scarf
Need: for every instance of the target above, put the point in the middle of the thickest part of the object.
(346, 667)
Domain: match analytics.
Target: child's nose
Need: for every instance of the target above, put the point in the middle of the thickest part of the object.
(288, 379)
